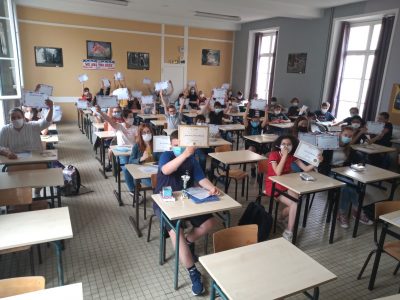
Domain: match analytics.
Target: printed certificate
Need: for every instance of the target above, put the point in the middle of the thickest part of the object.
(161, 143)
(107, 101)
(258, 104)
(45, 89)
(33, 99)
(193, 135)
(375, 127)
(308, 153)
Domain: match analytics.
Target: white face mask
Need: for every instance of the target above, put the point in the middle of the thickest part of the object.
(289, 148)
(129, 121)
(295, 104)
(18, 123)
(324, 110)
(277, 112)
(147, 137)
(355, 125)
(199, 123)
(28, 115)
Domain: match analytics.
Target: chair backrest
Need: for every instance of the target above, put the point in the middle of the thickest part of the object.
(16, 196)
(26, 167)
(223, 148)
(262, 166)
(21, 285)
(235, 237)
(386, 207)
(153, 181)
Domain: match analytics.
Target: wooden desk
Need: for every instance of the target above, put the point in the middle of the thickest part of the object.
(234, 158)
(49, 138)
(262, 138)
(116, 157)
(98, 126)
(52, 177)
(233, 128)
(150, 117)
(159, 125)
(303, 188)
(282, 125)
(103, 136)
(137, 172)
(186, 208)
(40, 226)
(372, 148)
(370, 175)
(32, 158)
(393, 219)
(273, 269)
(65, 292)
(236, 115)
(215, 142)
(52, 127)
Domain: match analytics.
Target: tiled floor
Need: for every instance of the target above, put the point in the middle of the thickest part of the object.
(113, 263)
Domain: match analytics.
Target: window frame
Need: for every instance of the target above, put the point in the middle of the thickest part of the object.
(269, 55)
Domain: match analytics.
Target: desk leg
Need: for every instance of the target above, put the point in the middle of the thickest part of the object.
(103, 159)
(90, 133)
(79, 119)
(392, 189)
(118, 192)
(59, 196)
(237, 141)
(227, 179)
(215, 288)
(244, 180)
(60, 269)
(52, 196)
(377, 258)
(306, 211)
(334, 214)
(271, 199)
(361, 194)
(162, 239)
(135, 223)
(177, 232)
(297, 219)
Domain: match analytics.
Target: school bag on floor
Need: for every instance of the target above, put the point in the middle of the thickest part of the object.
(255, 213)
(72, 180)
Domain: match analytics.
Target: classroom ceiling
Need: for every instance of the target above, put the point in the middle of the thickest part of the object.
(182, 11)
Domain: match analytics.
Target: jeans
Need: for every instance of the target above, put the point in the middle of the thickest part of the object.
(348, 194)
(130, 181)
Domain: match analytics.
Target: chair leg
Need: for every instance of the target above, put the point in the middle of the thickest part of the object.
(365, 264)
(144, 204)
(32, 262)
(312, 201)
(397, 269)
(247, 189)
(149, 229)
(39, 254)
(276, 215)
(236, 186)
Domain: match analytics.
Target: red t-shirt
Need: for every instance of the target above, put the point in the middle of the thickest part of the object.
(276, 157)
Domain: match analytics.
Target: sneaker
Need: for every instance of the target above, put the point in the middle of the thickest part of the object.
(287, 235)
(197, 285)
(363, 217)
(108, 168)
(253, 173)
(343, 220)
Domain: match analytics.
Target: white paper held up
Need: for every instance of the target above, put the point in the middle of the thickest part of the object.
(161, 143)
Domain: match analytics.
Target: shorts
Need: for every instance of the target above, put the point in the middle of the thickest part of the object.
(195, 221)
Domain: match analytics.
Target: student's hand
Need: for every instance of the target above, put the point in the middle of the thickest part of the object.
(189, 151)
(49, 103)
(369, 142)
(12, 155)
(285, 151)
(248, 104)
(144, 156)
(214, 191)
(320, 158)
(98, 109)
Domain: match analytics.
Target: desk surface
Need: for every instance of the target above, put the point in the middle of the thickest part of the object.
(268, 270)
(49, 138)
(115, 150)
(262, 138)
(282, 125)
(105, 134)
(191, 114)
(169, 131)
(215, 142)
(181, 209)
(99, 126)
(237, 157)
(151, 116)
(65, 292)
(32, 158)
(34, 227)
(158, 122)
(392, 218)
(294, 182)
(237, 114)
(32, 178)
(231, 127)
(372, 149)
(370, 174)
(141, 171)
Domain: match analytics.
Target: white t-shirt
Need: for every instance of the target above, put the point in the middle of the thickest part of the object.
(125, 136)
(338, 157)
(26, 139)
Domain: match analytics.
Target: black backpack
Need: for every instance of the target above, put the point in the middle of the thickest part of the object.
(255, 213)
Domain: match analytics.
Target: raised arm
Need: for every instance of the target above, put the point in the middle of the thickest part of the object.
(163, 102)
(106, 117)
(172, 88)
(174, 164)
(49, 117)
(246, 114)
(181, 105)
(266, 115)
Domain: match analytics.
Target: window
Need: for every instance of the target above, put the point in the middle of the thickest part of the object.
(265, 65)
(358, 61)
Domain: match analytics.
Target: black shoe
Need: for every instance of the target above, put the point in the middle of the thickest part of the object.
(108, 168)
(253, 172)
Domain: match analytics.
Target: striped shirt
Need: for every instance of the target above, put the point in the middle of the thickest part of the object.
(26, 139)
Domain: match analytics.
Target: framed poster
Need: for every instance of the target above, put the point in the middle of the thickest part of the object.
(48, 57)
(138, 61)
(297, 63)
(210, 57)
(395, 98)
(98, 50)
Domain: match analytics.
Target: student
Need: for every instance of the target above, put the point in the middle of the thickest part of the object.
(174, 118)
(359, 130)
(272, 102)
(172, 165)
(201, 99)
(87, 95)
(142, 152)
(386, 135)
(134, 103)
(193, 96)
(31, 114)
(148, 109)
(216, 114)
(300, 125)
(201, 153)
(323, 115)
(347, 121)
(341, 157)
(21, 136)
(294, 109)
(277, 116)
(279, 163)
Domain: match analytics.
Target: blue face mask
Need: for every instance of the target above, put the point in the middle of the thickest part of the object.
(345, 139)
(178, 150)
(218, 110)
(254, 123)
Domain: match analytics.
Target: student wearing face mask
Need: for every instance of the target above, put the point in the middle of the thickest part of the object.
(323, 115)
(174, 118)
(279, 163)
(21, 136)
(201, 153)
(354, 112)
(360, 131)
(301, 125)
(342, 157)
(193, 96)
(31, 114)
(142, 152)
(172, 165)
(294, 109)
(277, 116)
(216, 115)
(87, 95)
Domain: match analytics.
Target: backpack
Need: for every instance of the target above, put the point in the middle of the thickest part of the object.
(255, 213)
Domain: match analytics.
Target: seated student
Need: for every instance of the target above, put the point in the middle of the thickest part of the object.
(134, 103)
(216, 114)
(201, 99)
(341, 157)
(87, 95)
(279, 163)
(174, 118)
(201, 153)
(302, 125)
(277, 116)
(142, 152)
(272, 102)
(31, 114)
(359, 130)
(182, 98)
(386, 135)
(20, 135)
(294, 109)
(148, 109)
(172, 165)
(353, 113)
(193, 96)
(323, 115)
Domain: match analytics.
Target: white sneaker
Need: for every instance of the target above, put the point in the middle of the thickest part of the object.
(287, 235)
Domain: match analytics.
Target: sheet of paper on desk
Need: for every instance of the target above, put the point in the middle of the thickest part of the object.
(121, 93)
(258, 104)
(24, 155)
(161, 143)
(82, 104)
(375, 127)
(198, 192)
(47, 154)
(147, 99)
(308, 153)
(308, 138)
(149, 169)
(33, 99)
(396, 220)
(328, 141)
(219, 95)
(193, 135)
(159, 86)
(146, 80)
(45, 89)
(107, 101)
(137, 94)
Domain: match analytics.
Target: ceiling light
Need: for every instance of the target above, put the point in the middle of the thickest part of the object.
(118, 2)
(217, 16)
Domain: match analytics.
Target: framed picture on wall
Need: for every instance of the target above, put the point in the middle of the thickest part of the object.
(395, 98)
(210, 57)
(98, 50)
(297, 63)
(138, 61)
(48, 57)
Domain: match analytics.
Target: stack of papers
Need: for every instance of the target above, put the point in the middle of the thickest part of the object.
(200, 195)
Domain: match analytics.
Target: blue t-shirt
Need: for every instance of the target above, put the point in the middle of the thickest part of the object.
(324, 117)
(190, 166)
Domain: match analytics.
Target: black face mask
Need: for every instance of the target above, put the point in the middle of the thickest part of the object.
(303, 129)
